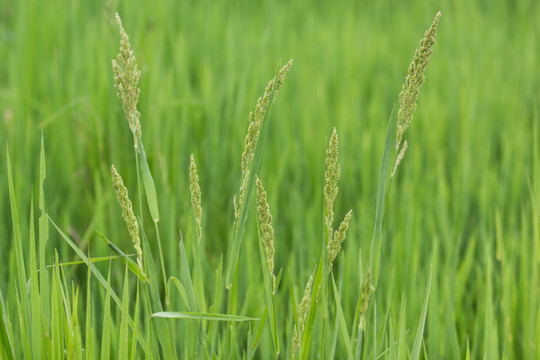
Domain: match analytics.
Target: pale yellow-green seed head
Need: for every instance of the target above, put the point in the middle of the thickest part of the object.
(414, 80)
(127, 213)
(265, 224)
(126, 80)
(195, 191)
(303, 309)
(331, 177)
(334, 246)
(256, 119)
(399, 157)
(367, 290)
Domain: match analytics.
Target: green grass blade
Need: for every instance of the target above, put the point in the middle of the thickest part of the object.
(374, 332)
(132, 265)
(294, 303)
(185, 278)
(402, 331)
(180, 288)
(199, 349)
(7, 351)
(35, 301)
(376, 240)
(342, 321)
(92, 260)
(57, 318)
(19, 256)
(392, 351)
(106, 335)
(420, 331)
(43, 237)
(270, 301)
(75, 348)
(89, 332)
(260, 329)
(334, 329)
(162, 327)
(202, 316)
(148, 183)
(135, 326)
(25, 342)
(123, 339)
(151, 198)
(217, 291)
(249, 349)
(215, 308)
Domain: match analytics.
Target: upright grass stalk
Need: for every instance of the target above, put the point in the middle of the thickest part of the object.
(414, 80)
(407, 105)
(126, 80)
(331, 245)
(258, 123)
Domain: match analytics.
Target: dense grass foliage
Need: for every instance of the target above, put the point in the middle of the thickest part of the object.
(462, 207)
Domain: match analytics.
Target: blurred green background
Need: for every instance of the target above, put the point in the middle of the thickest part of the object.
(465, 200)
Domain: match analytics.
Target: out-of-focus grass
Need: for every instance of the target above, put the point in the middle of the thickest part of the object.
(464, 202)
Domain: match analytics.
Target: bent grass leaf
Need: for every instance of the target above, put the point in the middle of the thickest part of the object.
(202, 316)
(132, 265)
(420, 331)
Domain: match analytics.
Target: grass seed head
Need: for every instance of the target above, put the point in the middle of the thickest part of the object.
(127, 213)
(331, 177)
(126, 80)
(399, 157)
(367, 290)
(414, 80)
(303, 309)
(334, 246)
(265, 223)
(256, 119)
(195, 191)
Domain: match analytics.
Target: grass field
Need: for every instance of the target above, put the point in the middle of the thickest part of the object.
(461, 215)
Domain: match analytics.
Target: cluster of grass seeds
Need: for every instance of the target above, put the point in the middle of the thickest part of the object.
(175, 321)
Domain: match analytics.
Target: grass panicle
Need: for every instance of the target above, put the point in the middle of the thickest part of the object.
(250, 161)
(331, 177)
(367, 290)
(195, 191)
(127, 213)
(303, 309)
(335, 244)
(399, 157)
(256, 118)
(126, 79)
(414, 80)
(267, 231)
